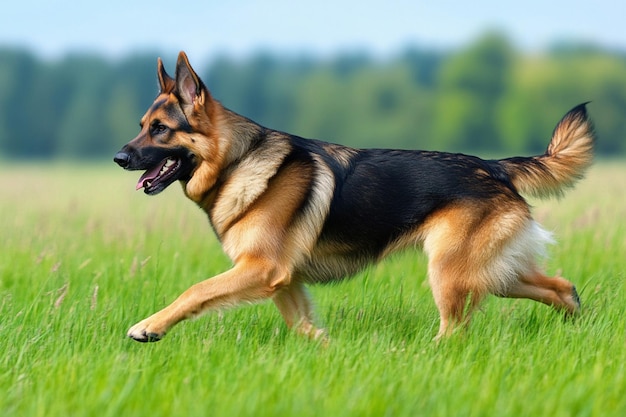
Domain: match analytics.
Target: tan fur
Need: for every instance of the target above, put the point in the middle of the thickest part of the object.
(251, 279)
(246, 184)
(263, 231)
(341, 153)
(568, 156)
(263, 248)
(556, 291)
(294, 305)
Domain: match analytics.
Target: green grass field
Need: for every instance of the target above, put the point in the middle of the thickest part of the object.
(83, 257)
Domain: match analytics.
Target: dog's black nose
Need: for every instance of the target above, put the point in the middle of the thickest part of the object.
(122, 159)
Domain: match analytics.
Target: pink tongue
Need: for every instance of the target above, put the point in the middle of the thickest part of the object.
(149, 175)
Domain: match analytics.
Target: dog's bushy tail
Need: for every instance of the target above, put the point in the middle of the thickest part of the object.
(568, 156)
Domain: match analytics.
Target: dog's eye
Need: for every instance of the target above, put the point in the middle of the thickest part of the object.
(158, 129)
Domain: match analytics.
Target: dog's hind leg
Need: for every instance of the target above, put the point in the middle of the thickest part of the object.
(454, 298)
(476, 248)
(294, 304)
(528, 281)
(556, 291)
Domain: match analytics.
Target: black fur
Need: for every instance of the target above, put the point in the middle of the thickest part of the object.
(381, 194)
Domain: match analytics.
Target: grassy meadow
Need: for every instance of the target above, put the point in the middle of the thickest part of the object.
(83, 257)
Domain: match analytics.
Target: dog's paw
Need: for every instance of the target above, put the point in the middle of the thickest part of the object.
(575, 297)
(145, 331)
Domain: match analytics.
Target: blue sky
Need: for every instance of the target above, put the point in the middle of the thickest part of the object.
(205, 28)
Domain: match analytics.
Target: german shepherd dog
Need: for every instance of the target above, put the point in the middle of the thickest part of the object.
(290, 211)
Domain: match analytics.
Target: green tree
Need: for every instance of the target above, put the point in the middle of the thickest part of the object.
(471, 85)
(387, 108)
(546, 86)
(483, 98)
(132, 89)
(83, 130)
(17, 88)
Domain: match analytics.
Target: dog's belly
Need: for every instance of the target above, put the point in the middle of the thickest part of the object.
(332, 267)
(337, 259)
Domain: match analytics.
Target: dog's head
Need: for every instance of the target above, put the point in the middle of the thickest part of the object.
(178, 138)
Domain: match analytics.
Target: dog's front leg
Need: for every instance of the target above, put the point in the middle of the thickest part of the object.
(251, 279)
(293, 303)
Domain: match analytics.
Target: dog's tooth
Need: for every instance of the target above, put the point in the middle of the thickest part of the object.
(169, 163)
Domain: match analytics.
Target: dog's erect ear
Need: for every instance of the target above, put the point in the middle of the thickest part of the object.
(188, 85)
(166, 83)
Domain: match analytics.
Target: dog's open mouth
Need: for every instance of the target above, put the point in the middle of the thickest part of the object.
(156, 179)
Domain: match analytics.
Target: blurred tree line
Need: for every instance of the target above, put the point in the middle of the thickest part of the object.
(487, 98)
